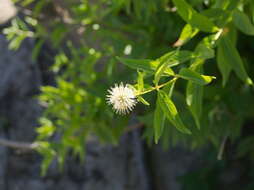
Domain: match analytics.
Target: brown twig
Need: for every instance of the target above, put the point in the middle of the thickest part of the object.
(32, 146)
(17, 145)
(133, 127)
(222, 147)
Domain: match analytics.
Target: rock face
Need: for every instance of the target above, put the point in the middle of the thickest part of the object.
(20, 81)
(171, 165)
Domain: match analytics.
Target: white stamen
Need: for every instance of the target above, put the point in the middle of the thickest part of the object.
(122, 98)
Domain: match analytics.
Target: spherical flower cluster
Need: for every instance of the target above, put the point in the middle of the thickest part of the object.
(122, 98)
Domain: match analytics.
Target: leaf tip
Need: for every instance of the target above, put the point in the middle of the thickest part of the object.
(249, 81)
(188, 132)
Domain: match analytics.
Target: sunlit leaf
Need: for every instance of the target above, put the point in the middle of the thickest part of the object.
(169, 109)
(223, 65)
(195, 77)
(233, 58)
(187, 34)
(243, 23)
(159, 115)
(171, 59)
(194, 97)
(192, 17)
(144, 64)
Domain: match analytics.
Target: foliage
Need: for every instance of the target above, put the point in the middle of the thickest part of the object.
(197, 90)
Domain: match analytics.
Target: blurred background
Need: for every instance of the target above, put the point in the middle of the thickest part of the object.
(57, 60)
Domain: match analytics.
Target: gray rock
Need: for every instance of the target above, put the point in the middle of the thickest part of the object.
(27, 183)
(65, 184)
(3, 163)
(108, 167)
(20, 76)
(19, 83)
(168, 166)
(23, 112)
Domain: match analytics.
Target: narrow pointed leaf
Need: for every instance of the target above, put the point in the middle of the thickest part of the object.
(140, 81)
(243, 22)
(159, 116)
(158, 121)
(192, 17)
(232, 56)
(144, 64)
(194, 97)
(223, 65)
(169, 109)
(195, 77)
(204, 52)
(187, 34)
(171, 59)
(142, 100)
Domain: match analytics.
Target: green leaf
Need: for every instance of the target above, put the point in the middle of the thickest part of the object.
(187, 34)
(194, 91)
(158, 121)
(169, 109)
(27, 2)
(213, 13)
(192, 17)
(232, 57)
(233, 4)
(243, 23)
(144, 64)
(222, 4)
(141, 99)
(37, 48)
(194, 97)
(46, 129)
(175, 57)
(16, 42)
(48, 153)
(170, 87)
(223, 65)
(227, 4)
(252, 8)
(219, 16)
(140, 81)
(195, 77)
(159, 116)
(203, 51)
(171, 59)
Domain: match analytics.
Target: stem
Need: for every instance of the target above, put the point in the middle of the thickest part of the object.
(222, 147)
(18, 145)
(157, 87)
(29, 146)
(133, 127)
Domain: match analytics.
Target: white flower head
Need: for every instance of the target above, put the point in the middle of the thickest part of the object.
(122, 98)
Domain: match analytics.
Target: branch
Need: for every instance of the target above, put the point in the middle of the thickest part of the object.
(17, 145)
(222, 147)
(133, 127)
(32, 146)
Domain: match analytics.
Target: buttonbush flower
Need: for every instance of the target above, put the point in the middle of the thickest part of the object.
(122, 98)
